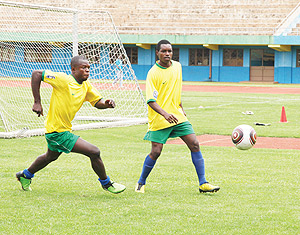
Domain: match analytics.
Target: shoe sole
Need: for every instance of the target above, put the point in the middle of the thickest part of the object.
(209, 191)
(140, 189)
(117, 191)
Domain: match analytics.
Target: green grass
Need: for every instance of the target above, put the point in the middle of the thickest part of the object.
(220, 113)
(259, 187)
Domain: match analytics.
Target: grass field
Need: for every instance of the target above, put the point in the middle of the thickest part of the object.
(259, 188)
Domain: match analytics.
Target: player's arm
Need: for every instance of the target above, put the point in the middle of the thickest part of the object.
(104, 104)
(118, 67)
(36, 79)
(117, 64)
(151, 96)
(169, 117)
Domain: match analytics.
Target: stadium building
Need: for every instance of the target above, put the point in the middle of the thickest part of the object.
(220, 41)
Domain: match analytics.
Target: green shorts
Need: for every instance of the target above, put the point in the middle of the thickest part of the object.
(161, 136)
(61, 141)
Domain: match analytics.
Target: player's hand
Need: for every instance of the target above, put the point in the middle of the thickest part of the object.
(110, 103)
(171, 118)
(37, 108)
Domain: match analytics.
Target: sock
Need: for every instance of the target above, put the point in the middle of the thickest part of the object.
(147, 167)
(104, 182)
(198, 162)
(27, 174)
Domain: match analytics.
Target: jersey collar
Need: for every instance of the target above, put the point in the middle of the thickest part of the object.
(76, 80)
(162, 67)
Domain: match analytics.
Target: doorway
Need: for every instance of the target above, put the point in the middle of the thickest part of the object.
(262, 65)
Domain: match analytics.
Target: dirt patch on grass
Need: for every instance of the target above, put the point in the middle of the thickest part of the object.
(238, 89)
(262, 142)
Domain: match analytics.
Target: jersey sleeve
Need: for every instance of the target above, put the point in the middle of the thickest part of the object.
(93, 95)
(55, 79)
(151, 90)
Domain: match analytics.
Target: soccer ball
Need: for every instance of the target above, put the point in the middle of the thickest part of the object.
(243, 137)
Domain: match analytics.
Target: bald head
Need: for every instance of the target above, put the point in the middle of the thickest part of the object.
(77, 60)
(80, 68)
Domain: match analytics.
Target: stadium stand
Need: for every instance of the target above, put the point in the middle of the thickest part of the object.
(241, 39)
(177, 17)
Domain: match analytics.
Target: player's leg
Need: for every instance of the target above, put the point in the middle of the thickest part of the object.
(42, 161)
(198, 161)
(156, 149)
(93, 152)
(83, 147)
(197, 158)
(148, 165)
(117, 78)
(158, 139)
(121, 78)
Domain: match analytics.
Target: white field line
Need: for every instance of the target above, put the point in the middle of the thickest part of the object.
(210, 141)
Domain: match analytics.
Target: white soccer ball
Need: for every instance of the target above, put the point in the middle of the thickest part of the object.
(243, 137)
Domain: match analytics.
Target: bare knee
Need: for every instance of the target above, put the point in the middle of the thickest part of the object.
(94, 153)
(156, 150)
(155, 154)
(51, 156)
(194, 146)
(192, 142)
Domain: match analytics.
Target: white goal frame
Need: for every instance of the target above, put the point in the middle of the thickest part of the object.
(36, 37)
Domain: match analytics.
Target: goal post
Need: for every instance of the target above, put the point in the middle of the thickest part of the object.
(34, 37)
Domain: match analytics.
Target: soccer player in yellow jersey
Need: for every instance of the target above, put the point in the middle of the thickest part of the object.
(68, 95)
(166, 116)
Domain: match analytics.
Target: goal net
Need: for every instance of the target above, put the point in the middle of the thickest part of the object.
(36, 37)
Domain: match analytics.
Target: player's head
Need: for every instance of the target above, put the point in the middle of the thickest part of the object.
(164, 41)
(76, 60)
(164, 52)
(80, 68)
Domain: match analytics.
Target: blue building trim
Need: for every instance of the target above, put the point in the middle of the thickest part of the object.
(195, 73)
(285, 70)
(285, 65)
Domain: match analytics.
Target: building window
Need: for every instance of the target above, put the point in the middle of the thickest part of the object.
(115, 52)
(233, 57)
(298, 57)
(198, 57)
(91, 52)
(175, 54)
(7, 52)
(38, 52)
(262, 57)
(132, 53)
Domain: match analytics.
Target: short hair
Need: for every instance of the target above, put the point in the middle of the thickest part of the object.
(76, 59)
(164, 41)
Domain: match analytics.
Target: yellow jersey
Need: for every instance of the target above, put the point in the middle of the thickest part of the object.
(164, 85)
(66, 99)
